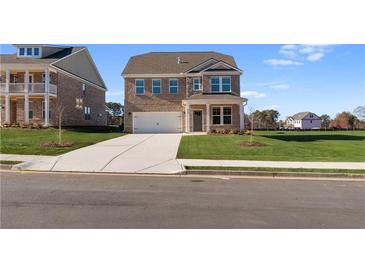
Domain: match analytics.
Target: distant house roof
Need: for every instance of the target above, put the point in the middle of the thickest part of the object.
(302, 115)
(172, 62)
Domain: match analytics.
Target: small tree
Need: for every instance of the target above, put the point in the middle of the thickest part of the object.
(252, 120)
(60, 109)
(325, 120)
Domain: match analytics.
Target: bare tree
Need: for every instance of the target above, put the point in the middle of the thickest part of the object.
(252, 119)
(60, 109)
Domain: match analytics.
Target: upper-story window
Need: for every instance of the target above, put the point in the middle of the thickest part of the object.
(196, 84)
(139, 83)
(29, 52)
(83, 88)
(173, 86)
(156, 86)
(36, 51)
(220, 84)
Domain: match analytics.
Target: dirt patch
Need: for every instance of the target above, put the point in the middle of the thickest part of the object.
(250, 144)
(56, 144)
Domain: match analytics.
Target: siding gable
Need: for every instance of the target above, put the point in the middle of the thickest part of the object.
(81, 65)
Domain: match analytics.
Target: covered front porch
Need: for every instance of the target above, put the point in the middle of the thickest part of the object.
(205, 113)
(27, 92)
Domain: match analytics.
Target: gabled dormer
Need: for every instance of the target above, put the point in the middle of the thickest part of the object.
(36, 51)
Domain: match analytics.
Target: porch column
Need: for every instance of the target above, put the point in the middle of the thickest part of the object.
(242, 117)
(46, 98)
(208, 118)
(26, 97)
(7, 97)
(187, 116)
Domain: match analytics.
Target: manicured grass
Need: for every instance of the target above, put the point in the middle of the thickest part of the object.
(308, 170)
(338, 146)
(29, 141)
(7, 162)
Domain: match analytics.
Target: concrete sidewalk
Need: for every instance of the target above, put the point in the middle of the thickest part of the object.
(271, 164)
(24, 158)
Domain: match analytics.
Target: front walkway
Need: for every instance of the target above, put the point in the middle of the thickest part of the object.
(134, 153)
(271, 164)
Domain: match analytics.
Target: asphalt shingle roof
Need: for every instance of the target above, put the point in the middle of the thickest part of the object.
(166, 62)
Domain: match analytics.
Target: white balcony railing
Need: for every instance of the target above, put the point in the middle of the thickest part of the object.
(33, 88)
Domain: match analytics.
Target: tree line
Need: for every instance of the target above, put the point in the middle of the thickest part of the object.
(269, 119)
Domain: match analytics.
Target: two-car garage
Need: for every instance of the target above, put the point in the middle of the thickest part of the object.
(157, 122)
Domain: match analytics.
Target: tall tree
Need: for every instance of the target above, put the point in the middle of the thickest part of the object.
(344, 120)
(325, 120)
(116, 111)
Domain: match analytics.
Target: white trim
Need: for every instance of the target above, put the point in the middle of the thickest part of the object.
(201, 64)
(135, 87)
(224, 64)
(160, 86)
(26, 55)
(177, 80)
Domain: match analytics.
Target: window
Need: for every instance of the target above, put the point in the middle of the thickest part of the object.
(139, 87)
(214, 84)
(30, 110)
(216, 114)
(196, 84)
(87, 112)
(44, 78)
(173, 86)
(220, 84)
(36, 52)
(227, 115)
(15, 78)
(156, 86)
(21, 51)
(83, 88)
(43, 110)
(222, 115)
(226, 84)
(29, 51)
(79, 102)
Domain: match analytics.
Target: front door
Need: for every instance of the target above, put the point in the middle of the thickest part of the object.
(197, 120)
(12, 112)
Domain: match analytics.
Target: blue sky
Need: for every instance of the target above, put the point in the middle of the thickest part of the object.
(290, 78)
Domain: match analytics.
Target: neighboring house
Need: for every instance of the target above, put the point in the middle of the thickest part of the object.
(304, 120)
(182, 92)
(38, 78)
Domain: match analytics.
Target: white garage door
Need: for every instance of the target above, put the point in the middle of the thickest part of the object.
(157, 122)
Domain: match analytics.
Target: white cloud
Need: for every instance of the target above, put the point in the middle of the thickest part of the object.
(306, 50)
(289, 47)
(315, 56)
(282, 62)
(288, 53)
(280, 86)
(252, 93)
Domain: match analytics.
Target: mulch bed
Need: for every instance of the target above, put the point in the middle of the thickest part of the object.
(56, 144)
(250, 144)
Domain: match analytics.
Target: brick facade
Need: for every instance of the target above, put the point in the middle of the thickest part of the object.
(165, 102)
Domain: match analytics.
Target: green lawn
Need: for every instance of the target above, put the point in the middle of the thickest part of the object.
(29, 141)
(340, 146)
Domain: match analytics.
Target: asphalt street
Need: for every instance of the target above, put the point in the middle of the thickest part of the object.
(61, 200)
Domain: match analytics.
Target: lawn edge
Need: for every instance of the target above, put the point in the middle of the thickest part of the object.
(271, 173)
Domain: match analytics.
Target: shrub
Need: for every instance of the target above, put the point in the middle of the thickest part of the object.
(212, 131)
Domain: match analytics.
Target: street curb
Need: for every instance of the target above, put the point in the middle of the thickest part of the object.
(5, 167)
(272, 174)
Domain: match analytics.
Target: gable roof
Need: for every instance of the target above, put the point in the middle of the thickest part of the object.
(167, 62)
(67, 59)
(302, 115)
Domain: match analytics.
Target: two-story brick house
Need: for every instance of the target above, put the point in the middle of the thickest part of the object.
(37, 79)
(182, 92)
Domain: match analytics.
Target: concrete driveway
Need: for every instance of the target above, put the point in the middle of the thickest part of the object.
(134, 153)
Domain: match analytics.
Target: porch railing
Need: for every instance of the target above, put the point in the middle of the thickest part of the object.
(33, 88)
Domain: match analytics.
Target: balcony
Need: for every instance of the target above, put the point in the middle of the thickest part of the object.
(34, 88)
